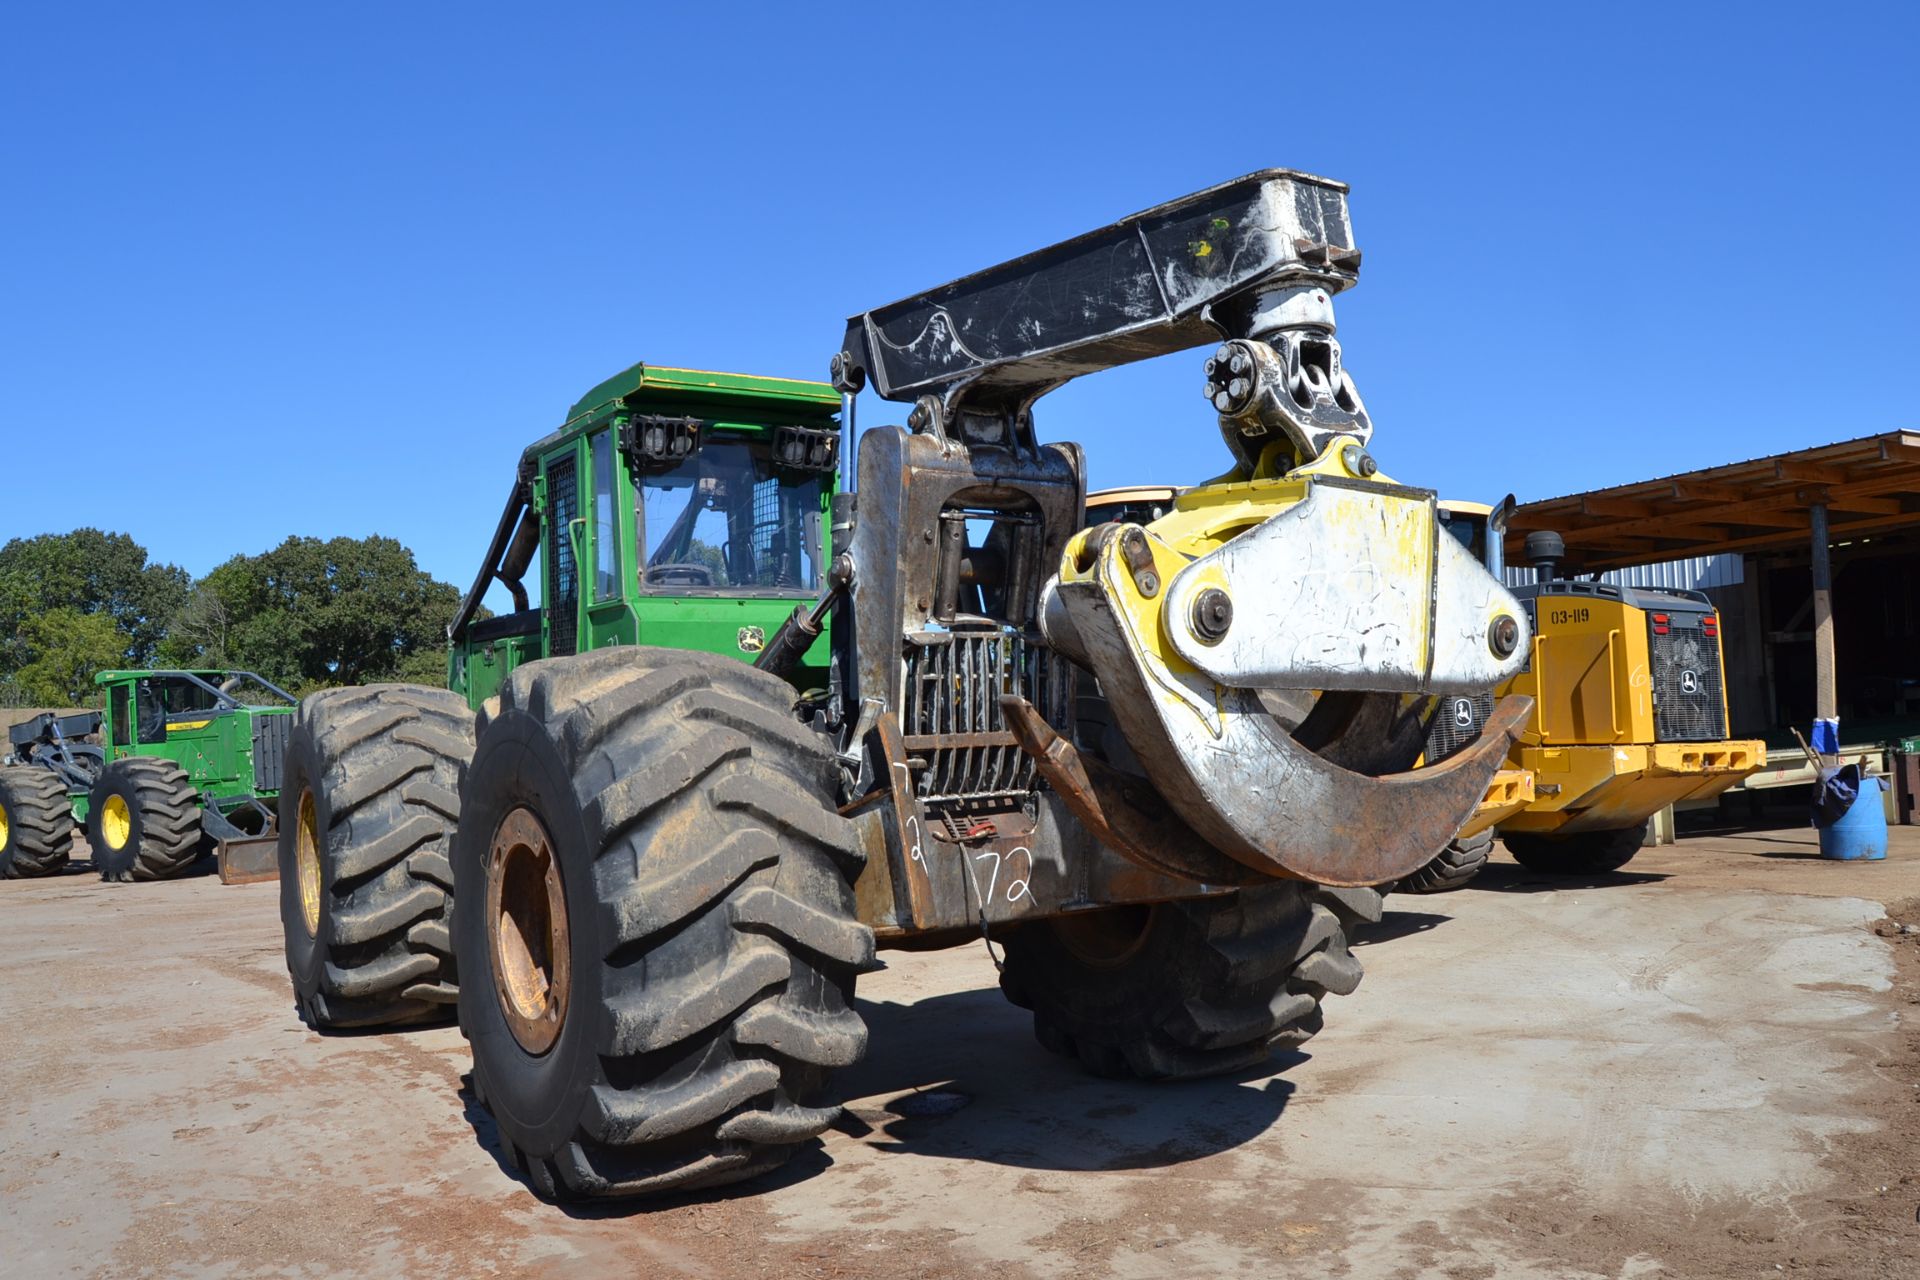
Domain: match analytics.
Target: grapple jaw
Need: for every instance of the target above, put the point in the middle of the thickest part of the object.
(1347, 600)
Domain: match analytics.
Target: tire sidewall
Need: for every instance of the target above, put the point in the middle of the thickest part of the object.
(111, 863)
(300, 773)
(538, 1100)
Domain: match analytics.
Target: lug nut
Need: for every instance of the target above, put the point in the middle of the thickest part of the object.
(1503, 637)
(1212, 615)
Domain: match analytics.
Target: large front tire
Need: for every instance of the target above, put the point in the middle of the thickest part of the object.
(143, 818)
(36, 822)
(369, 798)
(663, 972)
(1585, 853)
(1190, 988)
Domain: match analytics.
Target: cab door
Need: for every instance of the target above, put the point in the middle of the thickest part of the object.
(565, 536)
(610, 617)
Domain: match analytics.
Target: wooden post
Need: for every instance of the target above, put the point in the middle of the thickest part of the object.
(1826, 697)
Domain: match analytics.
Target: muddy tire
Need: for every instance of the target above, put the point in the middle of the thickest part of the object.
(143, 820)
(657, 925)
(1451, 868)
(369, 798)
(36, 822)
(1588, 853)
(1186, 989)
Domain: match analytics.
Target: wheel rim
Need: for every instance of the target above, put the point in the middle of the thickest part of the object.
(116, 822)
(6, 828)
(527, 931)
(307, 859)
(1105, 939)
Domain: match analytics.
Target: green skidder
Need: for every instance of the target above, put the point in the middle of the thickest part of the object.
(178, 764)
(674, 508)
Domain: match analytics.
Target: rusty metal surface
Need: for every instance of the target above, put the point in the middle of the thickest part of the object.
(1124, 813)
(909, 824)
(1043, 862)
(528, 934)
(875, 892)
(254, 860)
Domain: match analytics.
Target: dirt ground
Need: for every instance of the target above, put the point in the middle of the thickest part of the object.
(1699, 1068)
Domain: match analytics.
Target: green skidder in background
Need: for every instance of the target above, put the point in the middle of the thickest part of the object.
(178, 764)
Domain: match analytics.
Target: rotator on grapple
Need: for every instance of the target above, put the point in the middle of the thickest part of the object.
(672, 865)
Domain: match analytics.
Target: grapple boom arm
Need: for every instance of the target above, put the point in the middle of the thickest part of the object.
(1144, 286)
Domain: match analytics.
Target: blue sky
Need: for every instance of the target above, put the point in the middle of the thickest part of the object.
(275, 269)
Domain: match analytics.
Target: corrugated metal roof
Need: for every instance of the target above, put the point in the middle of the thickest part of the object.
(1695, 573)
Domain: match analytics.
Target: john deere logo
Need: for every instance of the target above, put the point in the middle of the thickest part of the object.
(1462, 713)
(752, 639)
(1689, 680)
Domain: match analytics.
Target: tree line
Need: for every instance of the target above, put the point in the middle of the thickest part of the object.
(308, 614)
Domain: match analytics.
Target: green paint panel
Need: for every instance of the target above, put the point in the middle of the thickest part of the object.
(710, 555)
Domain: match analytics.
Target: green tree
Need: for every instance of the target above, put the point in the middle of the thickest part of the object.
(311, 613)
(87, 572)
(63, 649)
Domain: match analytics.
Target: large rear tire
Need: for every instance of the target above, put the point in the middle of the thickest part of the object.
(1586, 853)
(1192, 988)
(36, 822)
(657, 925)
(143, 820)
(369, 799)
(1451, 868)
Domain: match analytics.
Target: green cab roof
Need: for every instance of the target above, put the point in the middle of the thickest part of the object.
(644, 382)
(107, 677)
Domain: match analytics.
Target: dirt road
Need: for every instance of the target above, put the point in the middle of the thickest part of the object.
(1697, 1070)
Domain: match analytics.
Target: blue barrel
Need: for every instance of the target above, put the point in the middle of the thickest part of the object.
(1860, 834)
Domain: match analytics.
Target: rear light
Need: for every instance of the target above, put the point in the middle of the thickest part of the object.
(1660, 621)
(1710, 625)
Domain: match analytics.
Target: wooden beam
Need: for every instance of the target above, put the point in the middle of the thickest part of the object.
(1809, 472)
(1868, 527)
(1600, 505)
(1826, 697)
(1842, 500)
(1702, 491)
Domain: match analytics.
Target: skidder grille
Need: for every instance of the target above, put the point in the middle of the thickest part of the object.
(953, 722)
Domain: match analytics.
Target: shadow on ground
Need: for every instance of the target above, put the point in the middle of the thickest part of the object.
(1401, 923)
(959, 1076)
(1511, 877)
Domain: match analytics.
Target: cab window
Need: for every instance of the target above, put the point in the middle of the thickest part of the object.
(1470, 530)
(606, 529)
(726, 521)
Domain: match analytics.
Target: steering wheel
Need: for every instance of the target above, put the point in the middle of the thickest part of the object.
(679, 575)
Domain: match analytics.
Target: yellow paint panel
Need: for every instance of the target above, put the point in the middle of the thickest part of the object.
(183, 725)
(1589, 676)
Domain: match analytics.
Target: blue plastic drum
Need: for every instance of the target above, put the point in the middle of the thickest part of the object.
(1860, 834)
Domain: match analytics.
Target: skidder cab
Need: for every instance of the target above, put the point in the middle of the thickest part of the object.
(754, 728)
